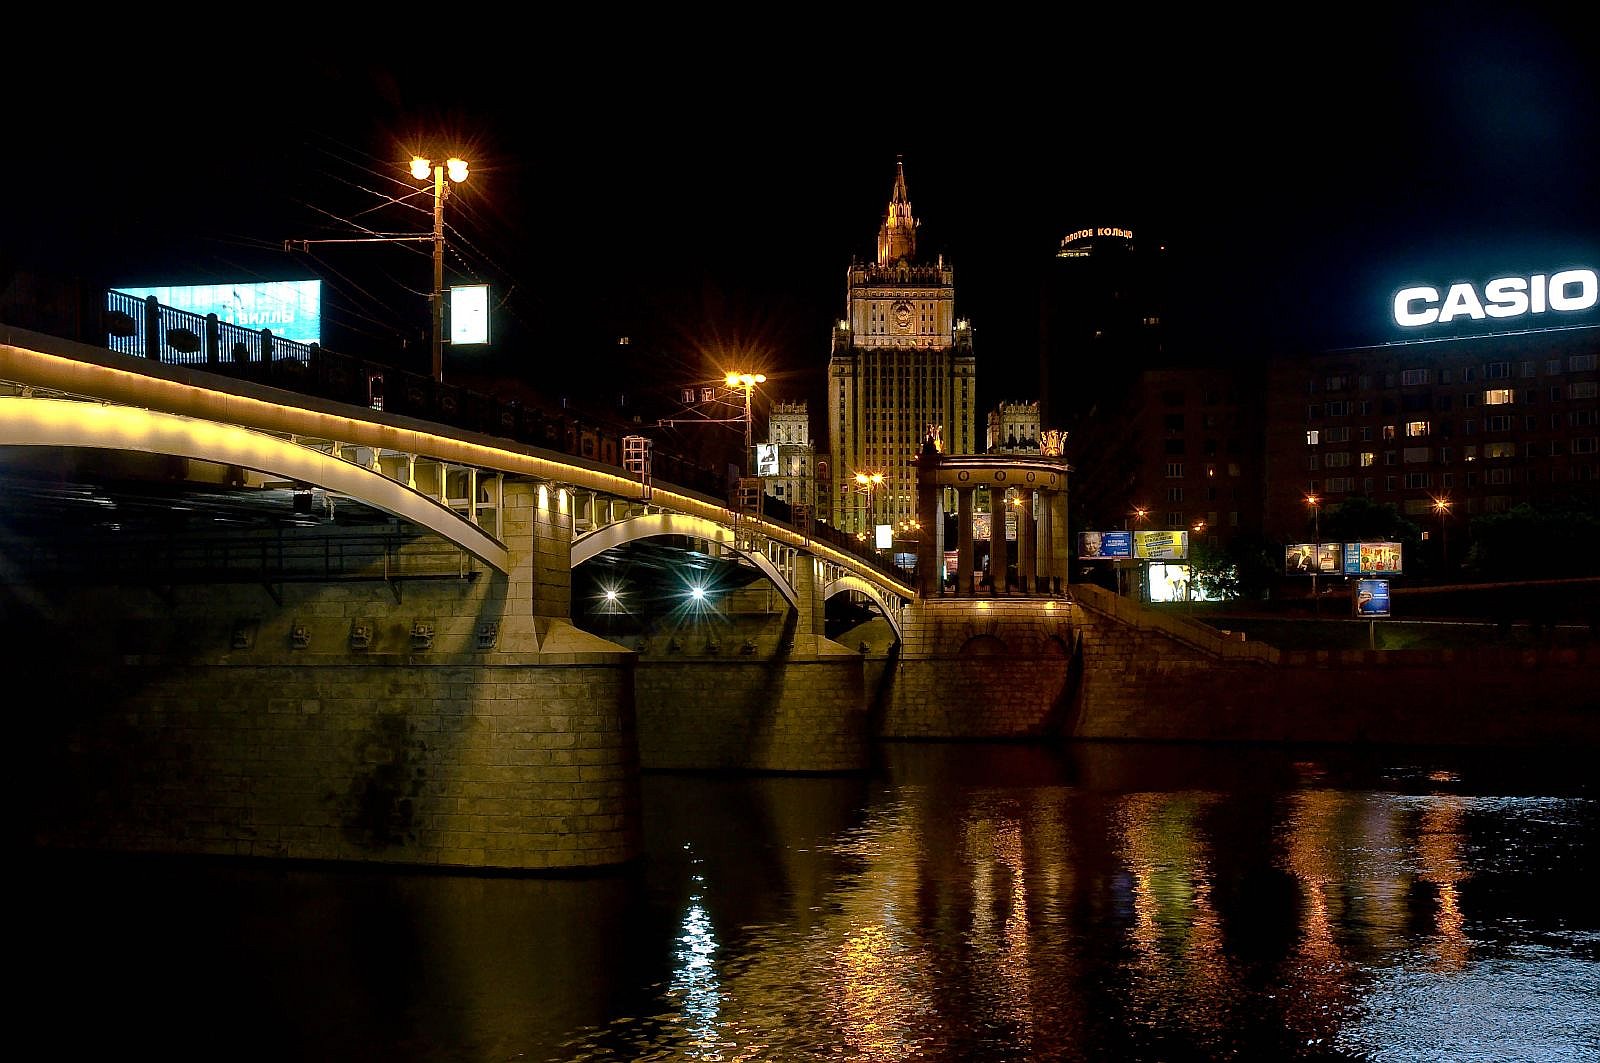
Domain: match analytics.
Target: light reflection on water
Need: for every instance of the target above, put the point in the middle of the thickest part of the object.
(962, 903)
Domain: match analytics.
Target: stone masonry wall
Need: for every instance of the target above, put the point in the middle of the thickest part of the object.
(746, 690)
(1142, 682)
(434, 722)
(217, 732)
(978, 668)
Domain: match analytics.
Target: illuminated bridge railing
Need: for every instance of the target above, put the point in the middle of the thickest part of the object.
(146, 328)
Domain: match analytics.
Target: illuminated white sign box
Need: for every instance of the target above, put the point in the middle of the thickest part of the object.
(291, 309)
(469, 314)
(1568, 291)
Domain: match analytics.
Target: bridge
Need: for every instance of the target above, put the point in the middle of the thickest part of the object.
(413, 687)
(444, 480)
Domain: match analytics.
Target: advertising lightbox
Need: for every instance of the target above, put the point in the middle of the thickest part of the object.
(1096, 546)
(1161, 545)
(1302, 559)
(983, 524)
(766, 459)
(1364, 559)
(1372, 597)
(291, 309)
(884, 537)
(469, 314)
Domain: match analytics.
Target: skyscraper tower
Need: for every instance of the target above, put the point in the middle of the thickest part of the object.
(1101, 320)
(902, 367)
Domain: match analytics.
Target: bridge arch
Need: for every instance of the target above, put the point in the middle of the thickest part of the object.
(650, 525)
(856, 583)
(37, 421)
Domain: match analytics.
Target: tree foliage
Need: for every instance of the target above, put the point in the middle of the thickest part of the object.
(1546, 541)
(1360, 519)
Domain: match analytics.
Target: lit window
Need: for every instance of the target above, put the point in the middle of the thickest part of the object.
(1497, 396)
(1388, 431)
(1367, 458)
(1312, 437)
(1416, 428)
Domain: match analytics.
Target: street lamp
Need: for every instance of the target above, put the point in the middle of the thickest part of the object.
(1316, 551)
(868, 482)
(1139, 515)
(456, 170)
(748, 381)
(1441, 506)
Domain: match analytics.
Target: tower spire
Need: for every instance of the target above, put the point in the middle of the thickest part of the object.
(897, 237)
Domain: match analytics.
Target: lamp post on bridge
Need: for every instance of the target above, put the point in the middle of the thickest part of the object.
(748, 381)
(869, 482)
(456, 170)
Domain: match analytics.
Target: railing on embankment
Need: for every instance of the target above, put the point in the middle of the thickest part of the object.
(1190, 632)
(1153, 676)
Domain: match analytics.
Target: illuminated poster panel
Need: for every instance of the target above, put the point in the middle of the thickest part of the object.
(1372, 597)
(291, 309)
(1176, 583)
(1365, 559)
(766, 459)
(1161, 545)
(1304, 558)
(469, 314)
(1095, 545)
(884, 536)
(983, 524)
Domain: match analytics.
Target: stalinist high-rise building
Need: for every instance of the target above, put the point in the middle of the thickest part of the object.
(901, 367)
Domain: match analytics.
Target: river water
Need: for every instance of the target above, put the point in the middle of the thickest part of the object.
(958, 902)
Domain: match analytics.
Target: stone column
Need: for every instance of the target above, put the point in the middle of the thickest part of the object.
(552, 552)
(1047, 535)
(999, 554)
(1026, 576)
(807, 587)
(1059, 540)
(930, 512)
(964, 542)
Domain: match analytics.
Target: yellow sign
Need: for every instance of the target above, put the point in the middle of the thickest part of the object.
(1164, 545)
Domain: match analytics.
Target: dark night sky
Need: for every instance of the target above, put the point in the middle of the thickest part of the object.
(706, 204)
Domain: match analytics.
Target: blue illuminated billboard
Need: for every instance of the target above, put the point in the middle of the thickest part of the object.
(1372, 597)
(1096, 545)
(291, 309)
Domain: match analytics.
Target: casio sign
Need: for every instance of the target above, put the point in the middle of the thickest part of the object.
(1569, 290)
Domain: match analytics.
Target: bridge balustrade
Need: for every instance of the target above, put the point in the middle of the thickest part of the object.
(145, 328)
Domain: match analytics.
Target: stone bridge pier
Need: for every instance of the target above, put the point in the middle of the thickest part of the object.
(459, 722)
(770, 694)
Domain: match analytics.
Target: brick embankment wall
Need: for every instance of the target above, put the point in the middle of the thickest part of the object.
(1149, 675)
(973, 668)
(217, 721)
(747, 693)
